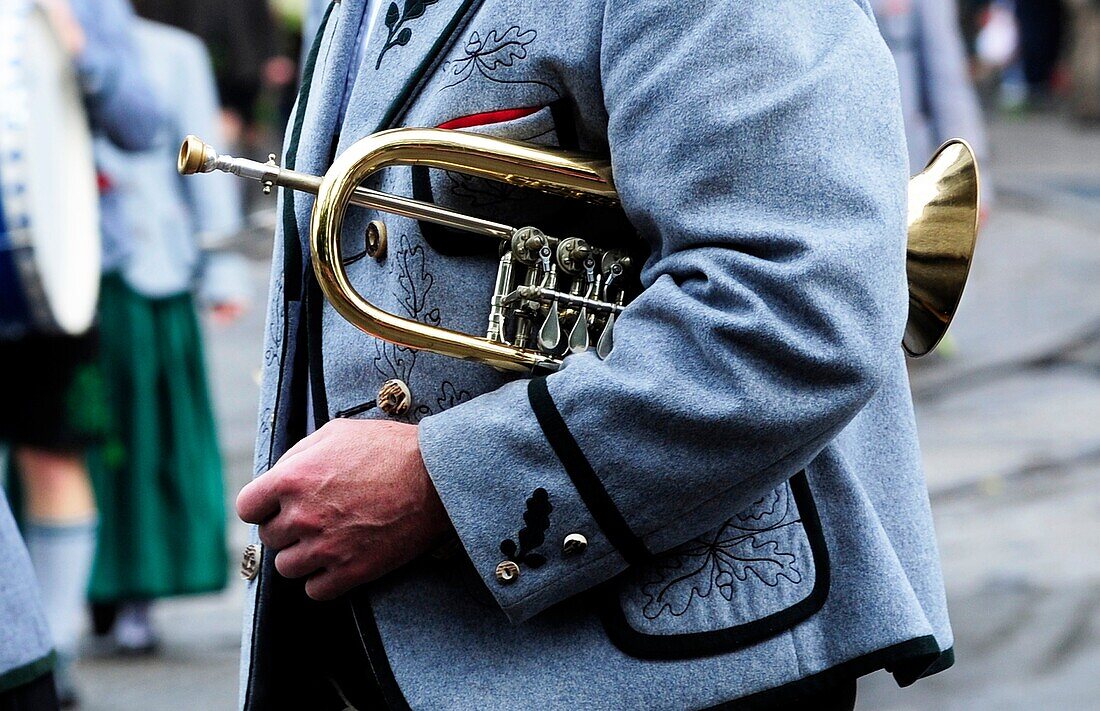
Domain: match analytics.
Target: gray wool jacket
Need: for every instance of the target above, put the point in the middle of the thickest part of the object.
(744, 465)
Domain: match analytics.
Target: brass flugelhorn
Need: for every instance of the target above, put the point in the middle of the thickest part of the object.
(554, 295)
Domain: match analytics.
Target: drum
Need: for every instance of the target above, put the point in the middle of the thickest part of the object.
(49, 203)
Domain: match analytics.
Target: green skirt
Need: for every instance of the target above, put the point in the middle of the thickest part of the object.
(158, 477)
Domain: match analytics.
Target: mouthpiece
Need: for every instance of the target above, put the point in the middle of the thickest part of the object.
(195, 157)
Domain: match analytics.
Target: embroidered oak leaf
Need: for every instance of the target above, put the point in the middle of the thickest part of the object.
(415, 281)
(766, 511)
(449, 396)
(486, 55)
(503, 50)
(479, 192)
(533, 534)
(392, 361)
(397, 35)
(720, 562)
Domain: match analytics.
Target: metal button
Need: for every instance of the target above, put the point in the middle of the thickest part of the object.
(250, 561)
(395, 398)
(507, 572)
(376, 239)
(574, 544)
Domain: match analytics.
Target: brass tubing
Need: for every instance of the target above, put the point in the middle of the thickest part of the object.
(198, 157)
(480, 156)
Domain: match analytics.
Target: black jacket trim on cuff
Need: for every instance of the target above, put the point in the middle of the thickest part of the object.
(588, 485)
(722, 641)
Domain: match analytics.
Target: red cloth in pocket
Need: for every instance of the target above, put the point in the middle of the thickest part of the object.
(488, 117)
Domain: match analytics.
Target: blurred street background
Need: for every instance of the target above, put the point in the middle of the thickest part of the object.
(1007, 409)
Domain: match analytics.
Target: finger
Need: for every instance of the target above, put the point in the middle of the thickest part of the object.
(327, 585)
(258, 501)
(277, 533)
(296, 562)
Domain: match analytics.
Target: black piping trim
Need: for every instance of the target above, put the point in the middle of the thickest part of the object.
(588, 485)
(907, 661)
(363, 615)
(292, 258)
(703, 644)
(409, 92)
(292, 248)
(314, 302)
(361, 612)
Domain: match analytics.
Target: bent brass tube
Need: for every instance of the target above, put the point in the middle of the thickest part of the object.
(511, 162)
(942, 226)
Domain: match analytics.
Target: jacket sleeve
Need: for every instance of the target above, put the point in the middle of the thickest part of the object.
(758, 148)
(121, 103)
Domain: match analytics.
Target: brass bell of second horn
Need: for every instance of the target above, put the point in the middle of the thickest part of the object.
(943, 228)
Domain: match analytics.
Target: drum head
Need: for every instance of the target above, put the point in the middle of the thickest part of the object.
(50, 197)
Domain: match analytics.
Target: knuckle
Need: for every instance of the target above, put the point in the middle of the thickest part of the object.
(288, 483)
(266, 536)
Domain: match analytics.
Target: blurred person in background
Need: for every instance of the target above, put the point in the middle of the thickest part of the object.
(1042, 25)
(1085, 59)
(54, 403)
(937, 97)
(158, 478)
(243, 39)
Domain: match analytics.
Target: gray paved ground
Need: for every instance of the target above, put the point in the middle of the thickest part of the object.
(1012, 451)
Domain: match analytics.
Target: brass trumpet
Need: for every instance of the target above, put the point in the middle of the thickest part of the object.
(544, 282)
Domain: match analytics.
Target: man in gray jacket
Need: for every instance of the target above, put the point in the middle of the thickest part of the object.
(729, 510)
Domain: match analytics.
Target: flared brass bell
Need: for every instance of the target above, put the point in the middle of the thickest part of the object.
(943, 227)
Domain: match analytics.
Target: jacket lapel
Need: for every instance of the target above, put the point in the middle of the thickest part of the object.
(409, 37)
(327, 84)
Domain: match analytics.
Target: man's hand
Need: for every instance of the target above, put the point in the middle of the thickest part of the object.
(345, 505)
(226, 312)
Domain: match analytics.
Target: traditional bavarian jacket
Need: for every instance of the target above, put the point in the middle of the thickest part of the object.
(120, 107)
(743, 468)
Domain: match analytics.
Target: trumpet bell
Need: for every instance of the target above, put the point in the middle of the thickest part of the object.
(943, 227)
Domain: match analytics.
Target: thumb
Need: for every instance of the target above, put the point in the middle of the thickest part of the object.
(258, 501)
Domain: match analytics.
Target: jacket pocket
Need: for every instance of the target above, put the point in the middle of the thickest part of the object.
(552, 126)
(487, 199)
(760, 573)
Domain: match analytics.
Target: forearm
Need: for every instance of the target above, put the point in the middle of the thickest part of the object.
(770, 182)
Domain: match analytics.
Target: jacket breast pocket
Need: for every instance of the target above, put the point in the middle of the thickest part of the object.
(549, 125)
(761, 572)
